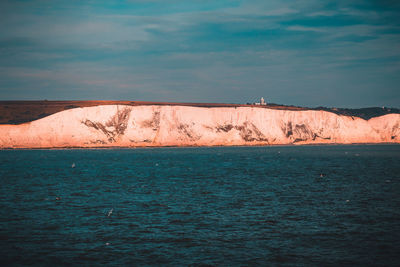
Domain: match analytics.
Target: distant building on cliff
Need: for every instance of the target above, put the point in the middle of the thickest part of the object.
(261, 103)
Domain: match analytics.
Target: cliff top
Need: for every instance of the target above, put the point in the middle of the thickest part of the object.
(16, 112)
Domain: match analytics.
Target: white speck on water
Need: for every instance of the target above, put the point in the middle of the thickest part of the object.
(347, 200)
(110, 212)
(156, 164)
(73, 165)
(107, 244)
(387, 181)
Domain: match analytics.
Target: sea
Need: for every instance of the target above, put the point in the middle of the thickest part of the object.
(328, 205)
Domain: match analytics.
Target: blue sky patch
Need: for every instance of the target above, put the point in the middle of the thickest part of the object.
(308, 53)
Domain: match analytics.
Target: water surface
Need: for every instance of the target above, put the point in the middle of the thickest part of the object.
(280, 205)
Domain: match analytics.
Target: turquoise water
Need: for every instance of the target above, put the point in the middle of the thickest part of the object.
(281, 205)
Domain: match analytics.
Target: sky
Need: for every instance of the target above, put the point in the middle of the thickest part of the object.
(306, 53)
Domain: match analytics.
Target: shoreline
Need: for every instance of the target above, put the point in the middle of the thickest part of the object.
(189, 146)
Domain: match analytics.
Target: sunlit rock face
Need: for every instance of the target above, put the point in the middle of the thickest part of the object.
(136, 126)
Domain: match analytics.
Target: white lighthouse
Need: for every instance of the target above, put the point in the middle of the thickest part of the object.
(261, 103)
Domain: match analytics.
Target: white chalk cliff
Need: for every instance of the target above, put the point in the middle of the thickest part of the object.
(136, 126)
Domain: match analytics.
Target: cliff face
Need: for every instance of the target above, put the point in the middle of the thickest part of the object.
(134, 126)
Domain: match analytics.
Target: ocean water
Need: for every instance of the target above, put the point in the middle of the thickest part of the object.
(223, 206)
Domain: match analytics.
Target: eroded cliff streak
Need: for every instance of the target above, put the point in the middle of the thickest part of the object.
(114, 127)
(134, 126)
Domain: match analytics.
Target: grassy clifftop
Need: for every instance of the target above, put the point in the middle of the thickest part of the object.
(17, 112)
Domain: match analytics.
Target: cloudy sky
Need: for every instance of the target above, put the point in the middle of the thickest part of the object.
(308, 53)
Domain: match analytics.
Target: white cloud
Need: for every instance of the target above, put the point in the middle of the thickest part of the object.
(305, 29)
(322, 13)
